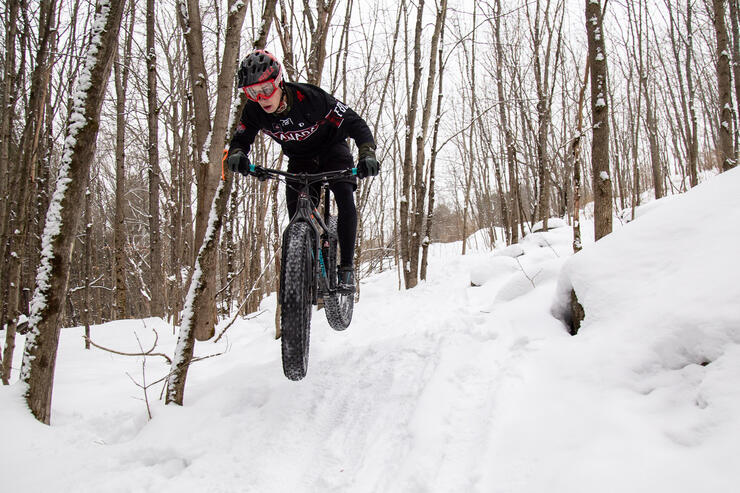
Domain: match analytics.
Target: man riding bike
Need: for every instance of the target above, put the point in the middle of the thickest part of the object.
(312, 128)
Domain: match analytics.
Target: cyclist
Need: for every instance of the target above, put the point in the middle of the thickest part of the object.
(312, 128)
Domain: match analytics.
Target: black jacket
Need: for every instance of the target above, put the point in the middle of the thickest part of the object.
(314, 122)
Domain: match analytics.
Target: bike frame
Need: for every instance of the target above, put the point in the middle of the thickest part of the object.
(307, 212)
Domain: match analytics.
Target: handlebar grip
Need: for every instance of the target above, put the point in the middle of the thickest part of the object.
(252, 167)
(354, 171)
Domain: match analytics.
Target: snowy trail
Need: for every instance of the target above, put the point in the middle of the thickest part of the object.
(401, 400)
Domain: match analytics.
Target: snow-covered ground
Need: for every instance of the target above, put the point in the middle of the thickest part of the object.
(444, 388)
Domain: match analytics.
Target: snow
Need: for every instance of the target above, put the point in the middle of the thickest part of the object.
(445, 387)
(553, 222)
(236, 8)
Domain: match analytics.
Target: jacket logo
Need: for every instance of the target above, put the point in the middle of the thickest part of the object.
(336, 115)
(293, 136)
(286, 122)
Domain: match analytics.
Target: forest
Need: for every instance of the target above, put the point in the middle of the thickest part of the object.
(491, 115)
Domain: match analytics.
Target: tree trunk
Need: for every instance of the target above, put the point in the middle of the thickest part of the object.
(156, 280)
(725, 148)
(404, 218)
(602, 184)
(652, 131)
(19, 224)
(190, 23)
(577, 243)
(7, 99)
(414, 219)
(735, 62)
(512, 234)
(87, 261)
(694, 134)
(197, 296)
(433, 159)
(320, 31)
(121, 74)
(205, 314)
(200, 304)
(471, 144)
(39, 358)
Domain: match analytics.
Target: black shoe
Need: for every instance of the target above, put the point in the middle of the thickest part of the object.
(346, 284)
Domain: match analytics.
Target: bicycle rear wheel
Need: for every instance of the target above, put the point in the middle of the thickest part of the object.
(338, 306)
(296, 295)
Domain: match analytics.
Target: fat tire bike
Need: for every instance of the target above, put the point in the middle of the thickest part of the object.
(308, 271)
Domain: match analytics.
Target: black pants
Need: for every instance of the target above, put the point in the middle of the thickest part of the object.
(337, 157)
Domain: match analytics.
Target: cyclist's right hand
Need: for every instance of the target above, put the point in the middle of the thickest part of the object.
(238, 162)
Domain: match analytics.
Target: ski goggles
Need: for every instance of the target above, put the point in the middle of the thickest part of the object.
(261, 90)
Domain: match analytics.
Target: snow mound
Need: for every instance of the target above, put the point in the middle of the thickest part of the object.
(662, 295)
(552, 223)
(492, 268)
(513, 251)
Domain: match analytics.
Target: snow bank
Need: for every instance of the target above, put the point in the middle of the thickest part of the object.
(662, 311)
(677, 256)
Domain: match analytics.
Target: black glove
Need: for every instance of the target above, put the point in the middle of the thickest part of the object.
(238, 162)
(367, 164)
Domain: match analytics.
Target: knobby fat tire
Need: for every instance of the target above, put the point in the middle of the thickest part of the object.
(295, 318)
(338, 307)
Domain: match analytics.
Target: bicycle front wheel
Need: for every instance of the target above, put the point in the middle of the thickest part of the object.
(296, 294)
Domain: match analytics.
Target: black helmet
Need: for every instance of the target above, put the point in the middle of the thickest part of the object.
(259, 66)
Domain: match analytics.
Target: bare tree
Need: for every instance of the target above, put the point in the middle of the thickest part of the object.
(199, 308)
(7, 99)
(726, 148)
(190, 23)
(600, 111)
(18, 222)
(577, 242)
(156, 287)
(646, 68)
(433, 158)
(319, 32)
(411, 216)
(545, 59)
(121, 72)
(511, 218)
(471, 144)
(39, 357)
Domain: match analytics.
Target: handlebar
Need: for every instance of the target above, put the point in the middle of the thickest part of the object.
(305, 177)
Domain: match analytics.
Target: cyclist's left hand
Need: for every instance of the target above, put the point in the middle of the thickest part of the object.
(367, 164)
